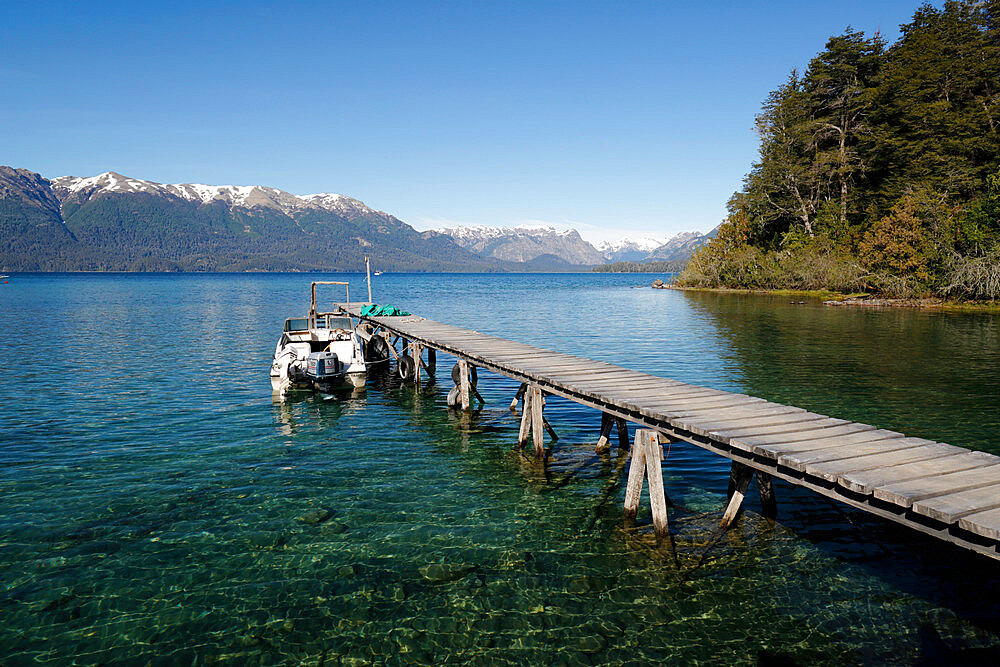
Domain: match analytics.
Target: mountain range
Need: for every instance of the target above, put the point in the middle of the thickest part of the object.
(529, 242)
(112, 222)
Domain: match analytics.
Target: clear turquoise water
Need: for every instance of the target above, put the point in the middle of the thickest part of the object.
(157, 506)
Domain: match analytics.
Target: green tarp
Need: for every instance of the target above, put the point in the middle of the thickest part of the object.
(376, 310)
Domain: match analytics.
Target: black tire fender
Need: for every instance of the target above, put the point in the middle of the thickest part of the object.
(406, 367)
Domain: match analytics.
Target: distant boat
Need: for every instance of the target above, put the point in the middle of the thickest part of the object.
(378, 273)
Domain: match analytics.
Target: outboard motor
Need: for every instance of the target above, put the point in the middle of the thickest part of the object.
(324, 367)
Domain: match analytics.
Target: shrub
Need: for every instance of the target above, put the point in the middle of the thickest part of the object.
(899, 244)
(975, 277)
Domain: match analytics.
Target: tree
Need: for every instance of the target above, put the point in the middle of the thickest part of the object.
(839, 87)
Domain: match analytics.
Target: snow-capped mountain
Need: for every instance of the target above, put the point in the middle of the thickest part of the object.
(629, 249)
(682, 245)
(525, 243)
(78, 190)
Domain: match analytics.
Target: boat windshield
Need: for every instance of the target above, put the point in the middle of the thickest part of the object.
(338, 323)
(297, 324)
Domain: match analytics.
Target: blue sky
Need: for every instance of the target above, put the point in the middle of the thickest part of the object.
(617, 118)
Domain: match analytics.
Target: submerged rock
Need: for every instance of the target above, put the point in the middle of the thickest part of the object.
(316, 517)
(334, 528)
(441, 572)
(589, 644)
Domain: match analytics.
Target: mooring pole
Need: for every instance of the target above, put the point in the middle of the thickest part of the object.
(368, 271)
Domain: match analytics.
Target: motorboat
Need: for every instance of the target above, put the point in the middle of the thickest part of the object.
(322, 351)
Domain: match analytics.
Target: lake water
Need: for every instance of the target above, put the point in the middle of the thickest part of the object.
(157, 505)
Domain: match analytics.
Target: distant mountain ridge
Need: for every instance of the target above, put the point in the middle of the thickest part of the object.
(112, 222)
(629, 249)
(75, 189)
(525, 243)
(681, 246)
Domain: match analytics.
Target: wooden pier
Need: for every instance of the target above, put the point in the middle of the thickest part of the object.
(945, 491)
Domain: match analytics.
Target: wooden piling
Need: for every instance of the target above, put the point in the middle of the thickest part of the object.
(623, 442)
(768, 503)
(604, 442)
(537, 421)
(522, 434)
(518, 396)
(646, 463)
(739, 479)
(633, 488)
(463, 386)
(417, 352)
(388, 342)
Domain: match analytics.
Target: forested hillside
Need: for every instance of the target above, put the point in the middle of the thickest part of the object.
(879, 168)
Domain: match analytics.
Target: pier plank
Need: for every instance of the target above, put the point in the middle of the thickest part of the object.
(775, 429)
(799, 460)
(773, 408)
(908, 492)
(775, 444)
(867, 480)
(984, 524)
(832, 469)
(950, 508)
(753, 410)
(703, 426)
(858, 437)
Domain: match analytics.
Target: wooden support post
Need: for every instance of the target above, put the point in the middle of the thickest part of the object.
(633, 488)
(739, 479)
(623, 442)
(518, 396)
(463, 384)
(537, 428)
(654, 473)
(522, 435)
(548, 427)
(417, 352)
(432, 360)
(389, 344)
(646, 457)
(603, 442)
(765, 486)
